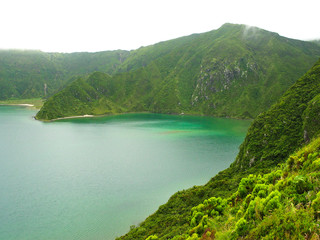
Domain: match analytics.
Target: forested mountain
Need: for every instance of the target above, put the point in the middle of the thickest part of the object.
(29, 74)
(255, 198)
(235, 71)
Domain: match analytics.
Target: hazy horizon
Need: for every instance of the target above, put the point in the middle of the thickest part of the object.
(82, 26)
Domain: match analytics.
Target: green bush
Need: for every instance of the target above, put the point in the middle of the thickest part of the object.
(197, 216)
(272, 202)
(255, 209)
(241, 227)
(301, 184)
(260, 190)
(246, 185)
(152, 237)
(217, 204)
(316, 205)
(193, 237)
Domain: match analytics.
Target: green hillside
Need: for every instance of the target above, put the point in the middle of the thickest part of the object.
(248, 205)
(234, 71)
(24, 74)
(283, 204)
(287, 125)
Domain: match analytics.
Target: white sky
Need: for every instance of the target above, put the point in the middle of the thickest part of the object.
(97, 25)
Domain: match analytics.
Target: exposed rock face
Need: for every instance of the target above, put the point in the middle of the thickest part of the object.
(221, 75)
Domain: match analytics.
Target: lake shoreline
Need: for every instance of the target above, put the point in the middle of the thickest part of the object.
(36, 103)
(114, 114)
(72, 117)
(86, 116)
(106, 158)
(17, 104)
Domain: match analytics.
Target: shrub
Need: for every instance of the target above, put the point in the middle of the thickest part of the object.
(301, 184)
(152, 237)
(260, 190)
(272, 177)
(197, 216)
(193, 237)
(272, 202)
(246, 185)
(316, 205)
(255, 209)
(203, 224)
(316, 165)
(241, 227)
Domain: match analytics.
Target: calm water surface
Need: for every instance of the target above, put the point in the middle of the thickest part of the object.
(93, 178)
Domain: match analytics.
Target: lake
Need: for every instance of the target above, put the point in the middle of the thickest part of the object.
(92, 178)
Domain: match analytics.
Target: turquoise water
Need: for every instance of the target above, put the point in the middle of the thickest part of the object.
(92, 178)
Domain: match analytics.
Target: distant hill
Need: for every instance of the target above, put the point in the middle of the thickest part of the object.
(235, 71)
(317, 41)
(29, 74)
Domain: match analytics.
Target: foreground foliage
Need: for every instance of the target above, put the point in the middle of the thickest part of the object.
(283, 204)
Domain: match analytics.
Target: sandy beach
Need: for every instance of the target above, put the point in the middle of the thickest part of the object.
(17, 104)
(80, 116)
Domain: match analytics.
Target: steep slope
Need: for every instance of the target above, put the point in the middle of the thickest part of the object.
(28, 74)
(300, 105)
(84, 96)
(234, 71)
(287, 125)
(283, 204)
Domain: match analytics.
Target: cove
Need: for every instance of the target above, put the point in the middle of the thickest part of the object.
(92, 178)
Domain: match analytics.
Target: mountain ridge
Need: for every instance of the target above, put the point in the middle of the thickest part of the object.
(234, 71)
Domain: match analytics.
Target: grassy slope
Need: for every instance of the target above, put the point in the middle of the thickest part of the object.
(300, 104)
(84, 96)
(231, 71)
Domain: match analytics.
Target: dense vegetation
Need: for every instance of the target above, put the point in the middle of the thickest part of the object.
(283, 204)
(235, 204)
(234, 71)
(286, 126)
(34, 74)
